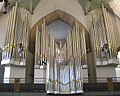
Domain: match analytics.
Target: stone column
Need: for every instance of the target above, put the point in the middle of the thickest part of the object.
(91, 60)
(1, 68)
(91, 68)
(30, 68)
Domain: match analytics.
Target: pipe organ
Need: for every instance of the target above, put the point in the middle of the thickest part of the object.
(17, 38)
(41, 46)
(104, 39)
(63, 60)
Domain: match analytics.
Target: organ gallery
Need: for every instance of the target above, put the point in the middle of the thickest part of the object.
(59, 46)
(63, 61)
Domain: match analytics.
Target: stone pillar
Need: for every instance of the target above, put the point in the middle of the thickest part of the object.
(91, 68)
(91, 59)
(1, 68)
(30, 68)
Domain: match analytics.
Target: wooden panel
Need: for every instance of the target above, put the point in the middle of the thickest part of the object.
(17, 85)
(110, 84)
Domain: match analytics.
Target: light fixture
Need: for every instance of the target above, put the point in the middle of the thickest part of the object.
(4, 9)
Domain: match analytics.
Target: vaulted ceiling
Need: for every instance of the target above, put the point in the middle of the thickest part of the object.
(87, 5)
(26, 3)
(84, 3)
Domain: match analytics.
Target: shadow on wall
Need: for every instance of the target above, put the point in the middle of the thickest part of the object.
(1, 68)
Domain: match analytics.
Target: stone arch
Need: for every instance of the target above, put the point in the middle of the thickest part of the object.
(51, 17)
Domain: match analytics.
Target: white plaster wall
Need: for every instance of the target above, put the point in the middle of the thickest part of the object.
(115, 5)
(39, 73)
(71, 7)
(85, 73)
(6, 74)
(12, 72)
(17, 72)
(60, 29)
(106, 71)
(118, 72)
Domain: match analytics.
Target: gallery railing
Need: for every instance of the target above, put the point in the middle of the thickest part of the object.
(101, 85)
(43, 80)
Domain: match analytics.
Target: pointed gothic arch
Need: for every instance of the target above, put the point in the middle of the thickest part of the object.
(51, 17)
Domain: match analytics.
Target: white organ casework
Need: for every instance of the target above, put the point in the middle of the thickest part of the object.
(41, 52)
(63, 60)
(104, 39)
(16, 44)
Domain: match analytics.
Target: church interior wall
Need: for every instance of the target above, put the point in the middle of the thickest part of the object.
(69, 6)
